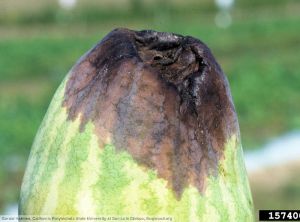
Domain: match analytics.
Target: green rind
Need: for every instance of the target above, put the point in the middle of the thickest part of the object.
(69, 174)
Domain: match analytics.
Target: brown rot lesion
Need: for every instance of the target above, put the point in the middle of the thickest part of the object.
(160, 96)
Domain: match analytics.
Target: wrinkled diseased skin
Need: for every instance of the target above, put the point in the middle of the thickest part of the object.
(160, 96)
(142, 125)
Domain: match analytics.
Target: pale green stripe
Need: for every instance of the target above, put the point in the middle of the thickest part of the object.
(243, 185)
(89, 171)
(70, 185)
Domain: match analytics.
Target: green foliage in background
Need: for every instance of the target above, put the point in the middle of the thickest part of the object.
(38, 45)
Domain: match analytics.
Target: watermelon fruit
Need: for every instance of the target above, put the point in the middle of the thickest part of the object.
(142, 125)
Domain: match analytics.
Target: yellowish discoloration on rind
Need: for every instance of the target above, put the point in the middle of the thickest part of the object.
(86, 204)
(112, 183)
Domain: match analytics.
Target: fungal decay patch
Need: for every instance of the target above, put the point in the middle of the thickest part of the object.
(160, 96)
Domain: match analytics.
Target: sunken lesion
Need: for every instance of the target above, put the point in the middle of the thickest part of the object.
(160, 96)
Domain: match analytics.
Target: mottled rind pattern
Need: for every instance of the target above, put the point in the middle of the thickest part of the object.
(68, 173)
(160, 96)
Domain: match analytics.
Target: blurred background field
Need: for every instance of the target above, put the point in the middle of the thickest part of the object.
(256, 42)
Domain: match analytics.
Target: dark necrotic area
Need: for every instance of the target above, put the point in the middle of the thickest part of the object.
(160, 96)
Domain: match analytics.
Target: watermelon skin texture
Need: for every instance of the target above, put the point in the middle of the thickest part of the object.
(74, 170)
